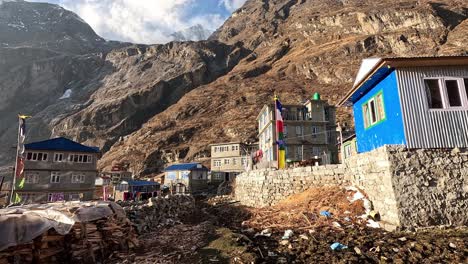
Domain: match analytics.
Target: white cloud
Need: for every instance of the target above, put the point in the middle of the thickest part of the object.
(142, 21)
(232, 5)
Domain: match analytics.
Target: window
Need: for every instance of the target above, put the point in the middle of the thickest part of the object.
(373, 110)
(55, 197)
(28, 197)
(434, 96)
(285, 131)
(78, 178)
(36, 156)
(55, 177)
(234, 161)
(298, 130)
(74, 196)
(217, 163)
(31, 177)
(80, 158)
(299, 152)
(58, 157)
(445, 93)
(315, 131)
(347, 150)
(226, 161)
(244, 161)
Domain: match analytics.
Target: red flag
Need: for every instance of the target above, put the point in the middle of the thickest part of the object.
(19, 167)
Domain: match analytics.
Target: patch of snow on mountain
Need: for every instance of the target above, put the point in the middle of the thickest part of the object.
(66, 94)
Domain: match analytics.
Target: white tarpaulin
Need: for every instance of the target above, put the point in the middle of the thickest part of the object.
(21, 224)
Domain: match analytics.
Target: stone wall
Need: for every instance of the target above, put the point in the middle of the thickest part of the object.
(408, 187)
(267, 187)
(371, 172)
(431, 186)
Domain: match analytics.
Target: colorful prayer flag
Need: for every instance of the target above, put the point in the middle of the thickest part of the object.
(281, 153)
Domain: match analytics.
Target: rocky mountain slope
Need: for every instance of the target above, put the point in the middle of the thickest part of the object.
(194, 33)
(154, 104)
(297, 47)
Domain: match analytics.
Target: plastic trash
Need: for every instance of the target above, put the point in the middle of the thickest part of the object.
(357, 196)
(336, 224)
(374, 214)
(338, 246)
(367, 205)
(265, 233)
(325, 213)
(372, 223)
(347, 219)
(287, 234)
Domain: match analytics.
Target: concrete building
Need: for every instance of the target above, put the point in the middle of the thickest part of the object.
(136, 190)
(229, 159)
(186, 178)
(415, 102)
(309, 132)
(58, 169)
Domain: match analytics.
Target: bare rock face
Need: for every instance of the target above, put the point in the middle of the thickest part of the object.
(298, 47)
(144, 81)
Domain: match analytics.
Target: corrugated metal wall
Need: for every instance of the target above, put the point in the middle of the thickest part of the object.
(426, 128)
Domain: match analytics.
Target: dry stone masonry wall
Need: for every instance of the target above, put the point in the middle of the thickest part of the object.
(409, 188)
(267, 187)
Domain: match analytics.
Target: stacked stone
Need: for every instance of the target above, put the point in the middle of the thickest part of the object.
(159, 211)
(266, 187)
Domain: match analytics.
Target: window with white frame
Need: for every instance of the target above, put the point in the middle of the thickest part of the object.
(80, 158)
(28, 197)
(217, 163)
(78, 178)
(285, 131)
(226, 161)
(31, 177)
(58, 157)
(244, 161)
(234, 161)
(298, 130)
(36, 156)
(373, 110)
(55, 177)
(447, 92)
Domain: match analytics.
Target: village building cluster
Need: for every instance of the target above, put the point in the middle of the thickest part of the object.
(412, 102)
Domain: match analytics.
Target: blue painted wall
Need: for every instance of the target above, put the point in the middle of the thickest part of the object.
(389, 131)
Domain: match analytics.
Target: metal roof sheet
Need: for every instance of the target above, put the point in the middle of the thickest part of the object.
(186, 166)
(60, 144)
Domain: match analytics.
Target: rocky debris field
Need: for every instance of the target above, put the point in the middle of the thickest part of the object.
(295, 231)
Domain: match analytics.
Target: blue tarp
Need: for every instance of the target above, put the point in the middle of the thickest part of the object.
(186, 166)
(61, 144)
(142, 183)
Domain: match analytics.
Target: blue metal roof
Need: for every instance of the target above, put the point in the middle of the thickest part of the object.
(60, 144)
(375, 78)
(186, 166)
(142, 183)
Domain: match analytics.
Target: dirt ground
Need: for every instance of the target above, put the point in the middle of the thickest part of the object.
(225, 232)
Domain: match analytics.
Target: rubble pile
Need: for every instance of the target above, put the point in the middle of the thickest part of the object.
(64, 233)
(159, 211)
(324, 206)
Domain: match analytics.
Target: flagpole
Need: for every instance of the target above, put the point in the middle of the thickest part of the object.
(13, 182)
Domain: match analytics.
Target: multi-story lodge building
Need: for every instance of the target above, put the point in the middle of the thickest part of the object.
(229, 159)
(309, 132)
(58, 169)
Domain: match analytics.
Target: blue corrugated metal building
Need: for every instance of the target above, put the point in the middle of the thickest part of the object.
(416, 102)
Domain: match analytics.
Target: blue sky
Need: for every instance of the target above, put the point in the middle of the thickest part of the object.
(149, 21)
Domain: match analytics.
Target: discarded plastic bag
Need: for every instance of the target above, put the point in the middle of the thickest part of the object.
(325, 213)
(287, 234)
(338, 246)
